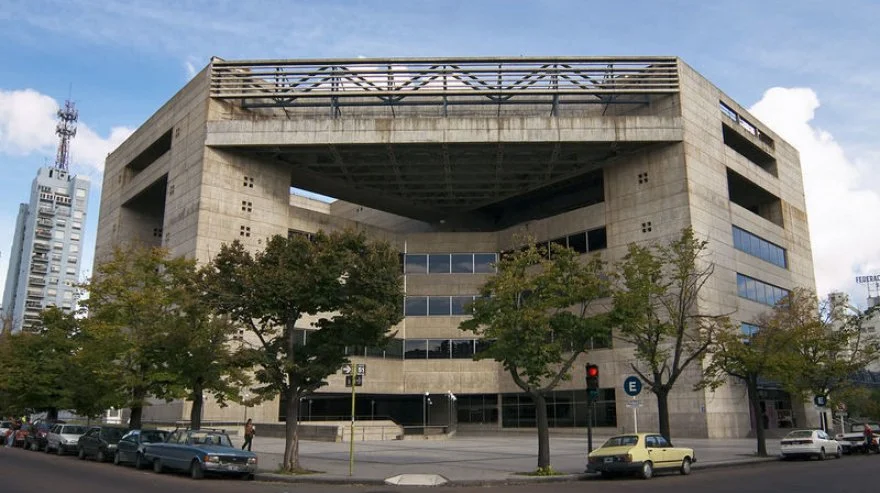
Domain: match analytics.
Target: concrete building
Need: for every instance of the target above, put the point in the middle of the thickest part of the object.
(46, 252)
(451, 160)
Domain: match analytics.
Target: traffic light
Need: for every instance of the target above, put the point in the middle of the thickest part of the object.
(592, 377)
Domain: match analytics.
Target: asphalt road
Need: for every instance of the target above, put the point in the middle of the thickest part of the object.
(31, 472)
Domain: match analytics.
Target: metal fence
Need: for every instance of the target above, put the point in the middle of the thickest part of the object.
(443, 82)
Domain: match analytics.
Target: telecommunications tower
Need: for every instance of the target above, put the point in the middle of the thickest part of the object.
(66, 129)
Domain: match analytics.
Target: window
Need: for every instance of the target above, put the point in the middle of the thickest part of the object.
(438, 348)
(416, 264)
(77, 214)
(462, 263)
(74, 248)
(247, 206)
(80, 192)
(74, 236)
(416, 306)
(438, 306)
(439, 263)
(597, 239)
(58, 245)
(646, 227)
(67, 295)
(643, 178)
(462, 348)
(578, 242)
(756, 246)
(484, 263)
(76, 225)
(748, 329)
(59, 235)
(248, 182)
(71, 271)
(415, 349)
(460, 305)
(759, 291)
(245, 231)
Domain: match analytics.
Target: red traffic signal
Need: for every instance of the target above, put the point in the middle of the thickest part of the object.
(592, 377)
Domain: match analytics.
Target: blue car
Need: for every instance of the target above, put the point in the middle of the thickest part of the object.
(200, 452)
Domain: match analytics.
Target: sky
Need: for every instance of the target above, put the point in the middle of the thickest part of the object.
(808, 69)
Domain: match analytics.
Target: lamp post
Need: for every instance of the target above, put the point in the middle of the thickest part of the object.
(425, 413)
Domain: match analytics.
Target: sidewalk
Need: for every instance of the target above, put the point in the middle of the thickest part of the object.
(470, 460)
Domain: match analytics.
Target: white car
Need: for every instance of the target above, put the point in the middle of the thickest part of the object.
(810, 443)
(5, 429)
(64, 438)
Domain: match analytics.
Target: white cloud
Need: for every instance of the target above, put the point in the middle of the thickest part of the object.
(840, 204)
(27, 126)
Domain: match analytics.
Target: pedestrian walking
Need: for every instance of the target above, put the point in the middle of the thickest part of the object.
(249, 431)
(869, 438)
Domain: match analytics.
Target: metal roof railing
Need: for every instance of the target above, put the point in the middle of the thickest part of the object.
(443, 82)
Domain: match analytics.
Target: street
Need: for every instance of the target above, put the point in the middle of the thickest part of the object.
(29, 472)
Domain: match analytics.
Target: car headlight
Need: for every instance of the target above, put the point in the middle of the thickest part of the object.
(252, 460)
(212, 459)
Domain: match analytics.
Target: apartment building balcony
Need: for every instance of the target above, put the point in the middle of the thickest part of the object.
(44, 233)
(39, 268)
(37, 281)
(47, 197)
(45, 222)
(33, 304)
(41, 247)
(40, 257)
(46, 211)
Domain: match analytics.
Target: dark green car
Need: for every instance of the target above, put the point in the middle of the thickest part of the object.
(130, 448)
(100, 442)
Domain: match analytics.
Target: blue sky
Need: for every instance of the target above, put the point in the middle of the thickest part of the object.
(121, 60)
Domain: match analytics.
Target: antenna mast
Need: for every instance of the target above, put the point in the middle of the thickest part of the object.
(66, 129)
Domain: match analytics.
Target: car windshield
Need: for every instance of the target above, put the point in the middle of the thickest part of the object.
(6, 424)
(73, 430)
(622, 441)
(800, 434)
(112, 435)
(209, 438)
(153, 436)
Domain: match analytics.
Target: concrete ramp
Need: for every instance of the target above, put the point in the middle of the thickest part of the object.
(416, 480)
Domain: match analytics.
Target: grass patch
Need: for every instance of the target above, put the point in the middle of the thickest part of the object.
(296, 472)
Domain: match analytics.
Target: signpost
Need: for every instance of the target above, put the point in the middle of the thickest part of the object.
(353, 381)
(632, 386)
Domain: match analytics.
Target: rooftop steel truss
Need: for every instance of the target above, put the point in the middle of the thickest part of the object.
(443, 82)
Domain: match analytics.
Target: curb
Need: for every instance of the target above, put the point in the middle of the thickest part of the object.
(513, 480)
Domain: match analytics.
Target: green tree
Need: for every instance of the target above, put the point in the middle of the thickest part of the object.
(349, 285)
(657, 310)
(539, 313)
(748, 357)
(133, 306)
(202, 358)
(826, 346)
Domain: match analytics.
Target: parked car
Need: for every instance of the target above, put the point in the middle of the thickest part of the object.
(36, 438)
(810, 443)
(131, 447)
(200, 452)
(641, 454)
(100, 442)
(64, 438)
(854, 439)
(21, 434)
(5, 429)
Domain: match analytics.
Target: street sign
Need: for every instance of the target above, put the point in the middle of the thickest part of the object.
(361, 369)
(346, 369)
(358, 380)
(632, 386)
(635, 403)
(820, 400)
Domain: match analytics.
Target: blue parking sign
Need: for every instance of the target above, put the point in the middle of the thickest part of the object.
(632, 386)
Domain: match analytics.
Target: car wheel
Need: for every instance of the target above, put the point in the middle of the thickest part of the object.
(34, 447)
(647, 470)
(196, 471)
(59, 450)
(47, 449)
(685, 466)
(100, 456)
(606, 474)
(81, 454)
(139, 462)
(157, 466)
(839, 453)
(247, 477)
(821, 455)
(116, 459)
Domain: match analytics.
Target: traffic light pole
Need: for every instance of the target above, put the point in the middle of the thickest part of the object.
(589, 422)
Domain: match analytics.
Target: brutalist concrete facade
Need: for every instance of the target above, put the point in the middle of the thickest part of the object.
(210, 168)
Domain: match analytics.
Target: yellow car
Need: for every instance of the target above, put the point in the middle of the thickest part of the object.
(641, 454)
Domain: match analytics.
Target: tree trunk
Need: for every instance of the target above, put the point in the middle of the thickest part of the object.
(760, 434)
(134, 421)
(195, 415)
(543, 430)
(137, 409)
(291, 448)
(663, 411)
(52, 414)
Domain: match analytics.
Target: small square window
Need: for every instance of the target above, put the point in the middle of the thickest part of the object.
(643, 178)
(646, 227)
(157, 232)
(246, 206)
(249, 181)
(245, 231)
